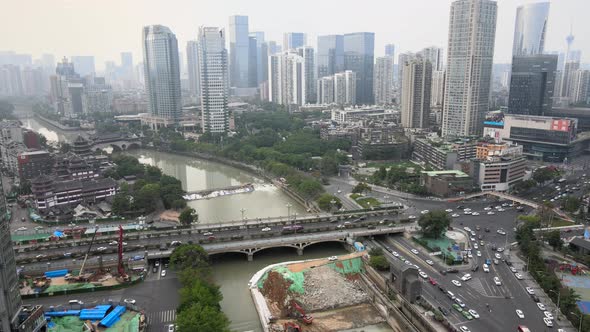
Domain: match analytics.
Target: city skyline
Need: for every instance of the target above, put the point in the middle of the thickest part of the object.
(428, 28)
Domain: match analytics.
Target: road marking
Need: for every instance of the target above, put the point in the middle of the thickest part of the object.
(164, 316)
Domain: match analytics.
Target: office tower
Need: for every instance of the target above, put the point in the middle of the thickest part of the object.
(293, 40)
(390, 50)
(213, 69)
(10, 81)
(126, 59)
(383, 80)
(273, 48)
(330, 55)
(530, 28)
(10, 300)
(434, 55)
(531, 84)
(581, 87)
(98, 96)
(438, 88)
(415, 108)
(252, 61)
(307, 53)
(401, 59)
(32, 81)
(48, 63)
(472, 32)
(84, 64)
(274, 78)
(345, 88)
(359, 51)
(162, 72)
(239, 44)
(326, 90)
(12, 58)
(192, 57)
(261, 56)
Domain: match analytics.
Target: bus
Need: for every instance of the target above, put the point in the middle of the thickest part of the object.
(522, 328)
(291, 229)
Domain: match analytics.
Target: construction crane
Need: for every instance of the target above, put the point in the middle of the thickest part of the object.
(291, 327)
(88, 251)
(120, 268)
(300, 313)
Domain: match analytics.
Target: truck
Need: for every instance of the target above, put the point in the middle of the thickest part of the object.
(359, 246)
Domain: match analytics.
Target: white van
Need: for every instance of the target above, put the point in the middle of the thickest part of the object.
(451, 295)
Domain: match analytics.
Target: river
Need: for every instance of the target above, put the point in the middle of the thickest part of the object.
(231, 271)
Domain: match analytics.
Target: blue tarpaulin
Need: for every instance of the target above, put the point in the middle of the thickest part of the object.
(62, 313)
(113, 317)
(58, 234)
(56, 273)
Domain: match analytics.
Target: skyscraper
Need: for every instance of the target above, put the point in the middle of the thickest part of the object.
(213, 79)
(390, 50)
(383, 80)
(326, 90)
(293, 40)
(288, 77)
(192, 57)
(530, 28)
(261, 56)
(162, 72)
(330, 55)
(416, 84)
(401, 59)
(359, 49)
(345, 88)
(252, 61)
(307, 53)
(581, 87)
(434, 55)
(472, 32)
(274, 78)
(126, 59)
(438, 88)
(84, 64)
(239, 44)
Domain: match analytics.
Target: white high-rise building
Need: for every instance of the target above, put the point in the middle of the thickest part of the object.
(345, 88)
(326, 90)
(383, 80)
(289, 75)
(415, 110)
(581, 86)
(162, 72)
(472, 33)
(213, 69)
(438, 88)
(307, 53)
(274, 78)
(192, 57)
(434, 55)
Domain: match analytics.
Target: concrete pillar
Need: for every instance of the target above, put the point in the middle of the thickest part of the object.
(300, 251)
(250, 257)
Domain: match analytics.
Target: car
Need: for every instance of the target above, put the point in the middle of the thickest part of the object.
(500, 249)
(535, 298)
(20, 229)
(129, 301)
(67, 254)
(429, 262)
(497, 281)
(501, 210)
(490, 213)
(395, 254)
(486, 268)
(475, 214)
(512, 269)
(467, 315)
(163, 274)
(40, 256)
(75, 302)
(455, 215)
(541, 306)
(487, 230)
(441, 288)
(475, 245)
(473, 233)
(332, 258)
(456, 283)
(501, 232)
(548, 314)
(266, 229)
(113, 243)
(466, 212)
(414, 251)
(498, 256)
(548, 322)
(211, 237)
(171, 328)
(101, 248)
(207, 234)
(496, 262)
(472, 239)
(457, 307)
(466, 277)
(411, 217)
(424, 211)
(38, 228)
(467, 229)
(481, 243)
(464, 329)
(473, 313)
(518, 276)
(340, 226)
(449, 210)
(408, 262)
(432, 281)
(487, 208)
(530, 290)
(469, 255)
(478, 253)
(519, 313)
(459, 302)
(443, 311)
(423, 275)
(460, 207)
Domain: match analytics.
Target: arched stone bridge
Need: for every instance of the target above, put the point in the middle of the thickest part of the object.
(119, 145)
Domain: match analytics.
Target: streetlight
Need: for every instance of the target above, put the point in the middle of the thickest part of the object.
(558, 298)
(332, 203)
(289, 211)
(580, 318)
(242, 210)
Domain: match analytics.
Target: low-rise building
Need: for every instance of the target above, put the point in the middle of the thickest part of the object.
(49, 193)
(440, 154)
(10, 151)
(349, 115)
(498, 172)
(405, 280)
(446, 183)
(381, 143)
(32, 163)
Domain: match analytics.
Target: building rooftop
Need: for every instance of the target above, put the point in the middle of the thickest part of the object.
(581, 242)
(456, 173)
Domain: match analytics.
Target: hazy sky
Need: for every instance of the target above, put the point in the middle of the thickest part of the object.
(105, 28)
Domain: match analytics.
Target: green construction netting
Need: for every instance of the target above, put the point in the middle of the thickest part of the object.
(348, 266)
(129, 322)
(67, 324)
(57, 288)
(28, 237)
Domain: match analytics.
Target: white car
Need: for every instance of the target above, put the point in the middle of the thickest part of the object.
(449, 210)
(459, 302)
(497, 256)
(429, 262)
(473, 313)
(395, 254)
(129, 301)
(412, 217)
(101, 248)
(454, 215)
(113, 243)
(332, 258)
(456, 283)
(472, 239)
(548, 314)
(423, 275)
(501, 210)
(163, 274)
(424, 211)
(475, 213)
(38, 228)
(497, 281)
(530, 290)
(519, 313)
(548, 322)
(501, 232)
(469, 255)
(207, 233)
(541, 306)
(414, 251)
(466, 277)
(467, 229)
(475, 245)
(266, 229)
(491, 213)
(478, 253)
(486, 268)
(171, 328)
(20, 229)
(473, 233)
(518, 276)
(466, 212)
(487, 208)
(500, 249)
(467, 209)
(464, 329)
(512, 269)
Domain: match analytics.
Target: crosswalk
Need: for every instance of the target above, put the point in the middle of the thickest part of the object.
(476, 284)
(160, 317)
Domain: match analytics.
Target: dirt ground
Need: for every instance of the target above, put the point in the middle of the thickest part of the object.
(170, 215)
(297, 267)
(352, 317)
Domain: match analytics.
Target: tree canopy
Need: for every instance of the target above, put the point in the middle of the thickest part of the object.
(434, 223)
(188, 216)
(329, 202)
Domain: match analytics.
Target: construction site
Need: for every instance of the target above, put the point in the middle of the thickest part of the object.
(313, 296)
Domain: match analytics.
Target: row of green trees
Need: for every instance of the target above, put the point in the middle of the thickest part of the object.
(199, 308)
(396, 177)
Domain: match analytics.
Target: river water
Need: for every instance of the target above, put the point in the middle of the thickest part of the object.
(231, 271)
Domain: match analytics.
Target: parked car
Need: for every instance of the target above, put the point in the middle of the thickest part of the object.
(519, 313)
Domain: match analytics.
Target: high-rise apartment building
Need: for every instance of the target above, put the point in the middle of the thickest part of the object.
(289, 77)
(307, 53)
(415, 106)
(438, 88)
(401, 59)
(192, 57)
(274, 78)
(531, 84)
(390, 50)
(330, 55)
(162, 72)
(345, 88)
(383, 80)
(98, 96)
(293, 40)
(32, 81)
(472, 32)
(11, 83)
(530, 28)
(239, 55)
(84, 64)
(359, 49)
(581, 87)
(434, 55)
(213, 79)
(326, 90)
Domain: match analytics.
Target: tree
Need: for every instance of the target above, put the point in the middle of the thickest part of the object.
(310, 188)
(554, 240)
(121, 204)
(189, 256)
(379, 262)
(188, 216)
(544, 174)
(147, 197)
(360, 188)
(329, 202)
(434, 223)
(202, 318)
(571, 204)
(199, 291)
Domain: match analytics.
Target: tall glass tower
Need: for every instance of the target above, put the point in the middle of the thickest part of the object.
(330, 55)
(530, 28)
(162, 71)
(359, 54)
(239, 44)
